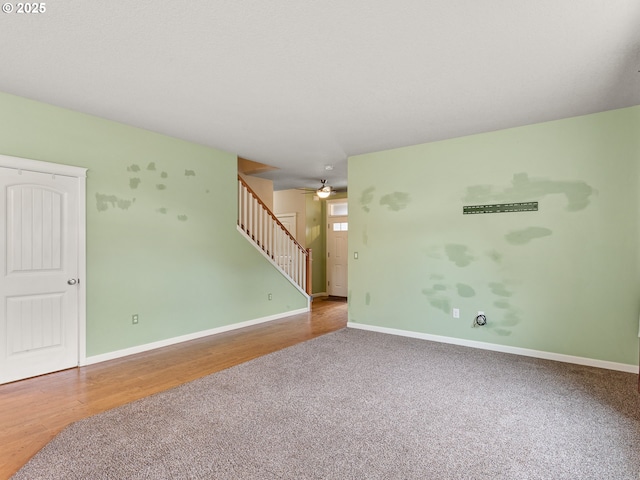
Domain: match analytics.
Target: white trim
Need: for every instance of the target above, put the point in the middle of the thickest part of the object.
(82, 268)
(264, 254)
(558, 357)
(320, 294)
(185, 338)
(38, 166)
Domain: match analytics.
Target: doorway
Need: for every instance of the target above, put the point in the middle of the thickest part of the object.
(337, 247)
(42, 263)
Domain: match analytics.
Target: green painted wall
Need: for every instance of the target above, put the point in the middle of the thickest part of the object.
(161, 228)
(563, 279)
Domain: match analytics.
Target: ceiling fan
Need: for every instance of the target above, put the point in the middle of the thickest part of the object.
(324, 191)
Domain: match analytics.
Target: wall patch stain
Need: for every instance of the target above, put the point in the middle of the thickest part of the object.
(441, 303)
(459, 254)
(164, 175)
(503, 327)
(367, 299)
(522, 237)
(183, 218)
(152, 166)
(134, 182)
(189, 173)
(162, 210)
(133, 168)
(479, 194)
(523, 188)
(396, 201)
(495, 256)
(501, 304)
(500, 289)
(366, 198)
(511, 318)
(161, 186)
(437, 301)
(465, 291)
(433, 252)
(103, 202)
(502, 332)
(438, 287)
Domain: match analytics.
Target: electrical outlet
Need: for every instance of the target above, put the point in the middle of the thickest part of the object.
(134, 318)
(270, 296)
(355, 255)
(456, 313)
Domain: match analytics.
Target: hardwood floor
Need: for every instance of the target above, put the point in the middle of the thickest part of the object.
(33, 411)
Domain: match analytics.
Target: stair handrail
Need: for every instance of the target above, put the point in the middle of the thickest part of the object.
(273, 216)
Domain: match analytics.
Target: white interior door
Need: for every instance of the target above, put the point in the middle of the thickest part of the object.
(337, 251)
(289, 222)
(39, 270)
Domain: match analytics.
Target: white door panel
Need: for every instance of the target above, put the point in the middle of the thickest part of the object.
(34, 324)
(33, 229)
(39, 314)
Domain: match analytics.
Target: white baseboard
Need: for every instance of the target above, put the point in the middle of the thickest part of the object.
(559, 357)
(320, 294)
(185, 338)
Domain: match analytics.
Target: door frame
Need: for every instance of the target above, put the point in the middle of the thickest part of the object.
(80, 173)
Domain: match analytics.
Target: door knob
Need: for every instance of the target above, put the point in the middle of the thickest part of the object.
(72, 281)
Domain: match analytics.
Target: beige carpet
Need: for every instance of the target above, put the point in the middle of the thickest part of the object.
(363, 405)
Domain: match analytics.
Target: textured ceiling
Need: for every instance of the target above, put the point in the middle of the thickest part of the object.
(300, 84)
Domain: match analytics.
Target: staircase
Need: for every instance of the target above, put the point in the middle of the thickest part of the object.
(261, 227)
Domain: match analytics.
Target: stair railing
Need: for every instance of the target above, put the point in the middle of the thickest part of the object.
(269, 235)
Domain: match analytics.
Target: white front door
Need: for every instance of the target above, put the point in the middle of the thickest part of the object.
(337, 243)
(39, 269)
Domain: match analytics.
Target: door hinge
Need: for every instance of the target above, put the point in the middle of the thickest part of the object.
(328, 254)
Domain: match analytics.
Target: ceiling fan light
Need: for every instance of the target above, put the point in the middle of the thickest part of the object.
(323, 192)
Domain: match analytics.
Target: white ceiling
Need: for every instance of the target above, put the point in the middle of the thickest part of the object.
(299, 84)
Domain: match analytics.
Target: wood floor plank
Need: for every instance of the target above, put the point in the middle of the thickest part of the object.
(33, 411)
